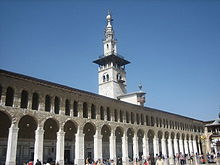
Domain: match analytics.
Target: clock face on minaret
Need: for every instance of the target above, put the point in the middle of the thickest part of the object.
(111, 74)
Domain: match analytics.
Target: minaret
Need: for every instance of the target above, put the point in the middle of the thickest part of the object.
(111, 73)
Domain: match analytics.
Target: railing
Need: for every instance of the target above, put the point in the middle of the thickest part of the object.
(116, 54)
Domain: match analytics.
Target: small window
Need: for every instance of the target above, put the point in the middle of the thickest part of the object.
(103, 78)
(108, 114)
(47, 103)
(93, 112)
(85, 110)
(107, 77)
(24, 99)
(9, 97)
(101, 113)
(35, 101)
(116, 115)
(75, 108)
(56, 105)
(67, 107)
(107, 46)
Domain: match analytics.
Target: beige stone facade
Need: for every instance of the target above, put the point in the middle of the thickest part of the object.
(43, 120)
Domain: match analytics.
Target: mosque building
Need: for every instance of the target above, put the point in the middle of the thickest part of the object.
(48, 121)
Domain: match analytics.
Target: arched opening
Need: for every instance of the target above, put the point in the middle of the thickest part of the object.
(116, 115)
(140, 135)
(166, 136)
(160, 135)
(106, 132)
(89, 132)
(132, 118)
(127, 117)
(85, 110)
(75, 108)
(147, 121)
(119, 134)
(51, 128)
(67, 107)
(70, 129)
(108, 114)
(152, 121)
(93, 112)
(9, 97)
(35, 101)
(5, 123)
(101, 113)
(47, 103)
(24, 99)
(56, 105)
(178, 142)
(26, 138)
(150, 136)
(121, 116)
(142, 119)
(130, 135)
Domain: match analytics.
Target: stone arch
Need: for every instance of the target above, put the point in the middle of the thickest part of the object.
(130, 135)
(51, 127)
(9, 96)
(70, 129)
(26, 134)
(106, 133)
(119, 131)
(150, 135)
(140, 135)
(89, 130)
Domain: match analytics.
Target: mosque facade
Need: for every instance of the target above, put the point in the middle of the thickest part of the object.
(48, 121)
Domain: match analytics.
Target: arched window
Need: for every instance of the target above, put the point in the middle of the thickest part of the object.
(152, 121)
(107, 77)
(67, 107)
(35, 101)
(56, 105)
(116, 115)
(118, 76)
(132, 118)
(157, 121)
(101, 113)
(0, 92)
(24, 99)
(108, 114)
(103, 78)
(137, 118)
(164, 123)
(107, 46)
(85, 110)
(47, 103)
(142, 119)
(9, 97)
(93, 112)
(121, 116)
(127, 117)
(75, 108)
(147, 121)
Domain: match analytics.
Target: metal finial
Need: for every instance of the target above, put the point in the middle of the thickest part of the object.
(140, 86)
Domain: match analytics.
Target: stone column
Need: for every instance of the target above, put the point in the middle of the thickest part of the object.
(156, 146)
(112, 145)
(80, 110)
(190, 147)
(135, 146)
(125, 159)
(199, 147)
(12, 145)
(170, 150)
(195, 146)
(175, 146)
(97, 145)
(186, 146)
(181, 146)
(164, 147)
(145, 147)
(39, 144)
(60, 147)
(79, 148)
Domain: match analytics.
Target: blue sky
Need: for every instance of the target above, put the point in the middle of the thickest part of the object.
(173, 46)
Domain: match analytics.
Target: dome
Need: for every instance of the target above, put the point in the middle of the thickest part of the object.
(109, 17)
